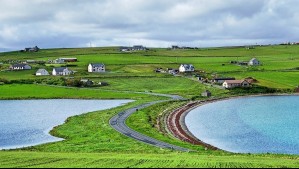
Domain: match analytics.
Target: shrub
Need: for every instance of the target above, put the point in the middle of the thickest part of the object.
(4, 81)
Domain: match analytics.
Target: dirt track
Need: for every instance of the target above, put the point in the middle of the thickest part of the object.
(176, 125)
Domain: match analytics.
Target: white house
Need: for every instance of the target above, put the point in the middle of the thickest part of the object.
(230, 84)
(186, 68)
(42, 72)
(254, 62)
(98, 68)
(62, 71)
(20, 67)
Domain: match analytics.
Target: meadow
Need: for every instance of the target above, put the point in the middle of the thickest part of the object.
(89, 139)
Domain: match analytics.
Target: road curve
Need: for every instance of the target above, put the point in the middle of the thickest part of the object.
(118, 122)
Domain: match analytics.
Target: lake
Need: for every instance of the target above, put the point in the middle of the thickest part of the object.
(28, 122)
(264, 124)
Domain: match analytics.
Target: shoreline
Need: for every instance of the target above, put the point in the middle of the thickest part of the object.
(52, 138)
(176, 123)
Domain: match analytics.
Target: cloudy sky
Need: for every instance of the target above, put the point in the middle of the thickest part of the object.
(153, 23)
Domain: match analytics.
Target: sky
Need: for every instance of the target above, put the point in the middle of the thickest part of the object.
(152, 23)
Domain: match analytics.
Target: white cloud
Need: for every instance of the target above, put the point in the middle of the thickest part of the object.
(72, 23)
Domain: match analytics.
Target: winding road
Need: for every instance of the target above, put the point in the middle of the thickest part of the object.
(118, 122)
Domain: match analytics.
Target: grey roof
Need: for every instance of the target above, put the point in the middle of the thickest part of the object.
(41, 70)
(20, 65)
(60, 69)
(97, 65)
(188, 66)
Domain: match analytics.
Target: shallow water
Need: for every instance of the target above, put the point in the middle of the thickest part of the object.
(27, 123)
(266, 124)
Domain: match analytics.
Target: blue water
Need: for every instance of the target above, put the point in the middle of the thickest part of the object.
(27, 123)
(265, 124)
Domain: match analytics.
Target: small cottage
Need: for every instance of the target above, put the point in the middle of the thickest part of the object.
(96, 68)
(254, 62)
(42, 72)
(206, 93)
(230, 84)
(20, 67)
(186, 68)
(297, 90)
(62, 71)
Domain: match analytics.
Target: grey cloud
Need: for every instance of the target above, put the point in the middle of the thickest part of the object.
(72, 23)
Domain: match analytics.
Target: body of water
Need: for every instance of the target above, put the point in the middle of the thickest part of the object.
(28, 122)
(264, 124)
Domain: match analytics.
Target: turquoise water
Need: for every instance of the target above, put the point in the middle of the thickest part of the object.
(27, 123)
(265, 124)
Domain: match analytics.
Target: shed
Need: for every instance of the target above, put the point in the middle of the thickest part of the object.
(206, 93)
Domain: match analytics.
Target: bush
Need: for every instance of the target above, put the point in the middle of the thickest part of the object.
(23, 81)
(4, 81)
(259, 90)
(74, 83)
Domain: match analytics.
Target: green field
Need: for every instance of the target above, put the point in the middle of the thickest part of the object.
(89, 139)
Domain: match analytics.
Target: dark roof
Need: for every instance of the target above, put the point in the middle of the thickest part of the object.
(60, 69)
(97, 64)
(188, 66)
(20, 65)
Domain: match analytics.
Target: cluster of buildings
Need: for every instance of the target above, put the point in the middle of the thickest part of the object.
(230, 83)
(184, 68)
(175, 47)
(252, 62)
(64, 60)
(134, 48)
(33, 49)
(60, 71)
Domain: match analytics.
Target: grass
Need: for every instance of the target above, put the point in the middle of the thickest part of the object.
(16, 91)
(89, 139)
(112, 160)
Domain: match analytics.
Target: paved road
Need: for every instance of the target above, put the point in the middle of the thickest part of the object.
(118, 122)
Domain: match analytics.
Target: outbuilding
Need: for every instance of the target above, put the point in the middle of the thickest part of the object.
(206, 93)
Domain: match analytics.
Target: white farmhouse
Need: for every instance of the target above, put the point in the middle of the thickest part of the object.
(254, 62)
(42, 72)
(97, 68)
(20, 67)
(62, 71)
(186, 68)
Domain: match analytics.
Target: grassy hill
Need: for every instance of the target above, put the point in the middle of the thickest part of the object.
(91, 142)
